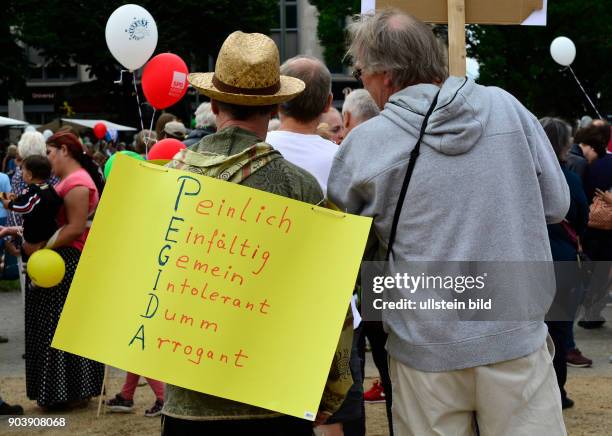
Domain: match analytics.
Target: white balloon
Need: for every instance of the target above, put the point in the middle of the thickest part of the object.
(563, 51)
(30, 129)
(131, 35)
(47, 134)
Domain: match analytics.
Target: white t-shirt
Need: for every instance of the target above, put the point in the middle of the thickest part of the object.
(310, 152)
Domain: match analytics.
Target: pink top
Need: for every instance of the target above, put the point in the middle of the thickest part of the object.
(79, 178)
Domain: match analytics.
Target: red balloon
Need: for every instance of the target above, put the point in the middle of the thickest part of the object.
(165, 149)
(99, 130)
(164, 80)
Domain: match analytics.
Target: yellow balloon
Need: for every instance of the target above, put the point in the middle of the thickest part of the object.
(46, 268)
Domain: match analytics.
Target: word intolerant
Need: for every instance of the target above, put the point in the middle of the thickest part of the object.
(218, 297)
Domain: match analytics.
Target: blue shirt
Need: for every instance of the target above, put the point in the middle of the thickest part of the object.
(5, 186)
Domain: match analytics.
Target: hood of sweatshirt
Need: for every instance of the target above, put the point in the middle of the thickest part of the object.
(456, 124)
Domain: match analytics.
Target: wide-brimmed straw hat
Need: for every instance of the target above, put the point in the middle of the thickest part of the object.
(247, 73)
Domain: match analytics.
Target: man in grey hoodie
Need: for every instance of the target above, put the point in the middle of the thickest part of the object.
(483, 189)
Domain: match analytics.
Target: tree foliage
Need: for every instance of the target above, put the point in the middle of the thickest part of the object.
(517, 58)
(14, 65)
(68, 32)
(331, 28)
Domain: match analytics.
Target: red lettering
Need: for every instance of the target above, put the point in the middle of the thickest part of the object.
(161, 341)
(239, 355)
(204, 204)
(262, 305)
(182, 260)
(284, 220)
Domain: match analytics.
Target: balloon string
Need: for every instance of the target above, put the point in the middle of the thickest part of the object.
(584, 92)
(137, 100)
(120, 77)
(149, 136)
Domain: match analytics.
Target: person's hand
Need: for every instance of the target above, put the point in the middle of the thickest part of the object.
(605, 196)
(330, 429)
(11, 249)
(31, 248)
(9, 231)
(321, 418)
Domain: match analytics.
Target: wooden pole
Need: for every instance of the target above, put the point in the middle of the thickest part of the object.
(103, 391)
(456, 37)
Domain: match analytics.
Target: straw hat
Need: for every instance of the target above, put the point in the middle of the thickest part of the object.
(247, 73)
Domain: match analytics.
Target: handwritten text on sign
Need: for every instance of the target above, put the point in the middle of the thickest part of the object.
(213, 286)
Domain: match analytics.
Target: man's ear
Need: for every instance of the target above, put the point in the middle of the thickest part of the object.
(346, 119)
(214, 107)
(330, 99)
(387, 80)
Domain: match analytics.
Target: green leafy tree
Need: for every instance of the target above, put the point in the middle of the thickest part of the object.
(14, 65)
(73, 30)
(331, 28)
(517, 58)
(68, 32)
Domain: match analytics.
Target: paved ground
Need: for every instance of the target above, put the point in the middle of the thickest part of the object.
(590, 387)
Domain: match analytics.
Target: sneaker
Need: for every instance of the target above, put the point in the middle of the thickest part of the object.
(575, 359)
(155, 410)
(567, 403)
(376, 394)
(590, 325)
(7, 409)
(120, 404)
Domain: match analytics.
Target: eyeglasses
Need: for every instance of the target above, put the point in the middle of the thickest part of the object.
(357, 73)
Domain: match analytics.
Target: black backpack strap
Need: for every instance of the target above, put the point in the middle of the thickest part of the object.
(414, 154)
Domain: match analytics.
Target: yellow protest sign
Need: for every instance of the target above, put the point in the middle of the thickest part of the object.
(214, 287)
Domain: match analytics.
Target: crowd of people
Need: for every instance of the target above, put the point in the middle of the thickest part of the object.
(449, 170)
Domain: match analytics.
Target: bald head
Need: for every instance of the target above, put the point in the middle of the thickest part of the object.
(315, 99)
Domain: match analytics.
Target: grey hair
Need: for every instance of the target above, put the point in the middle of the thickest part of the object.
(396, 42)
(310, 104)
(204, 116)
(360, 104)
(559, 134)
(30, 144)
(585, 121)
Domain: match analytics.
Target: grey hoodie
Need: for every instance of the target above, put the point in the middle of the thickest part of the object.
(483, 189)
